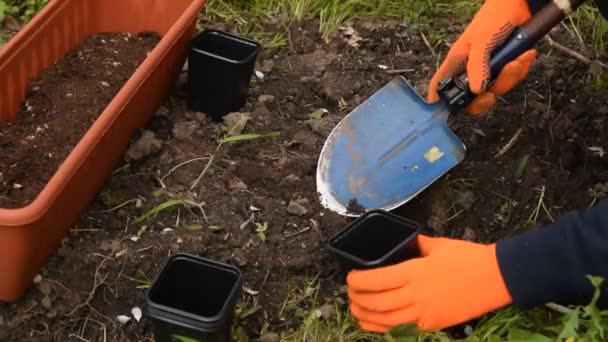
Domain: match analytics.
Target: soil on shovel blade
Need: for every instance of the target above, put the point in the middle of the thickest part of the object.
(256, 205)
(61, 106)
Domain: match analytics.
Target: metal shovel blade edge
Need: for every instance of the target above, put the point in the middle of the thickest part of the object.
(386, 151)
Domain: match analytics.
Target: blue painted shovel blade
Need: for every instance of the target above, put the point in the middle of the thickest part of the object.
(386, 151)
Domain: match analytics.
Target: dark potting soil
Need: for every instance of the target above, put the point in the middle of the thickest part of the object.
(282, 248)
(354, 207)
(60, 107)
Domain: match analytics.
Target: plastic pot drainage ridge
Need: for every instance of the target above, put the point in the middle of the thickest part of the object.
(194, 297)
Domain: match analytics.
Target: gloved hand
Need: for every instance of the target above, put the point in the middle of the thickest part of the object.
(453, 282)
(490, 27)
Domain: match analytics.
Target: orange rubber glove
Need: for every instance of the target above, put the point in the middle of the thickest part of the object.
(491, 26)
(452, 282)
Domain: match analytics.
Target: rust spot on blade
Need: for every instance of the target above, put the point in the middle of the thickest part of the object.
(352, 136)
(354, 183)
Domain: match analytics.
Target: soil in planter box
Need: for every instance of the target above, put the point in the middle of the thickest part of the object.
(61, 106)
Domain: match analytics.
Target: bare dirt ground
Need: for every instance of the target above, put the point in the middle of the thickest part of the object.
(256, 206)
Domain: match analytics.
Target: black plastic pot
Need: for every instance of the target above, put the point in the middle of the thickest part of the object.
(376, 238)
(220, 67)
(193, 299)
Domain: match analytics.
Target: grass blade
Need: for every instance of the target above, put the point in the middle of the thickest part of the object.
(158, 208)
(250, 136)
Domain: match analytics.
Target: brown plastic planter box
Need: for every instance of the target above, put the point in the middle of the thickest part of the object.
(29, 235)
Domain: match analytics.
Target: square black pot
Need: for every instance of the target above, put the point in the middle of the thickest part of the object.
(193, 297)
(375, 239)
(220, 67)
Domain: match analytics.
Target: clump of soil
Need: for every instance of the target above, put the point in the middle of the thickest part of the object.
(60, 107)
(354, 207)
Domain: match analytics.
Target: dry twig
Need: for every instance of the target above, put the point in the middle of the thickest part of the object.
(180, 165)
(426, 42)
(98, 281)
(399, 71)
(510, 144)
(566, 50)
(297, 233)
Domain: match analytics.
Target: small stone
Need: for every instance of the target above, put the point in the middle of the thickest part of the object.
(436, 223)
(236, 184)
(267, 66)
(37, 279)
(123, 319)
(46, 302)
(200, 117)
(323, 126)
(162, 111)
(292, 178)
(469, 234)
(239, 257)
(51, 314)
(340, 301)
(235, 123)
(45, 288)
(189, 115)
(298, 207)
(110, 246)
(327, 311)
(266, 99)
(105, 84)
(466, 200)
(184, 130)
(270, 337)
(137, 313)
(331, 93)
(146, 145)
(306, 138)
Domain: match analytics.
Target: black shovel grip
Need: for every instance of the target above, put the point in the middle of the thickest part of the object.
(456, 91)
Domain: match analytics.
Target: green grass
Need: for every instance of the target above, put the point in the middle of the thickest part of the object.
(23, 10)
(584, 323)
(588, 25)
(248, 17)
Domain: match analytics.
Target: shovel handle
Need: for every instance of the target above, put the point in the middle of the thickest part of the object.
(456, 92)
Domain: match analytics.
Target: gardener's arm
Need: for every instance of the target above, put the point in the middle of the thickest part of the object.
(552, 264)
(455, 281)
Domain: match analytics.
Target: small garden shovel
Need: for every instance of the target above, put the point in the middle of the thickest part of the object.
(395, 144)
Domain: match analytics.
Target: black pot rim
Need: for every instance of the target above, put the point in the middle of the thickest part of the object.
(220, 317)
(344, 232)
(257, 46)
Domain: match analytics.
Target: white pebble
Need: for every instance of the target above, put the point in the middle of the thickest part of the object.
(136, 312)
(123, 319)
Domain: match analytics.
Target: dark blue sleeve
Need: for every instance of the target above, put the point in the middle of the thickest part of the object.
(551, 264)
